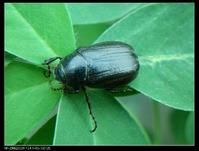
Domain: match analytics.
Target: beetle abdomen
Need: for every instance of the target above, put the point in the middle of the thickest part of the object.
(109, 64)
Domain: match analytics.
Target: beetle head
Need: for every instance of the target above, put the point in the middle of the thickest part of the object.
(59, 73)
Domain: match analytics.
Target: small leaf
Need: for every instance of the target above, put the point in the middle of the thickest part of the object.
(101, 12)
(36, 32)
(44, 136)
(87, 34)
(189, 128)
(115, 126)
(8, 58)
(28, 100)
(178, 121)
(163, 38)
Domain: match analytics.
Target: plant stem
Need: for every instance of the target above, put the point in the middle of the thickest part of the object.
(156, 122)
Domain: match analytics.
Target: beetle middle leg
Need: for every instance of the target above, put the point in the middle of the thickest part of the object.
(48, 62)
(124, 90)
(70, 90)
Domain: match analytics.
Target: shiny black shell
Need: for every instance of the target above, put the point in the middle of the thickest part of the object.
(104, 65)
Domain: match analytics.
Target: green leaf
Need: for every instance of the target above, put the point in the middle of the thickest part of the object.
(44, 136)
(28, 100)
(115, 126)
(102, 12)
(189, 128)
(163, 38)
(93, 30)
(36, 32)
(8, 58)
(178, 121)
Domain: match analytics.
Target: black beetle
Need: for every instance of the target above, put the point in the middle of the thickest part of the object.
(106, 65)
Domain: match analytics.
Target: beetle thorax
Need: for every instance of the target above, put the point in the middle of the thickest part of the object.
(72, 71)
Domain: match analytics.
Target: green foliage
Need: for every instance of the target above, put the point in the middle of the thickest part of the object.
(28, 100)
(178, 122)
(93, 30)
(36, 32)
(164, 44)
(189, 133)
(162, 36)
(45, 134)
(100, 13)
(111, 119)
(8, 58)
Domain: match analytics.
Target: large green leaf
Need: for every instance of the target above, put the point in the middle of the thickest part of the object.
(163, 38)
(36, 32)
(102, 12)
(115, 126)
(28, 100)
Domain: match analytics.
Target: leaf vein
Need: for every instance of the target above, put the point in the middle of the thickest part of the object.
(153, 59)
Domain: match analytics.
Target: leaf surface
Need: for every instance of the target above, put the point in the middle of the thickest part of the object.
(28, 100)
(163, 38)
(189, 128)
(36, 32)
(101, 12)
(115, 125)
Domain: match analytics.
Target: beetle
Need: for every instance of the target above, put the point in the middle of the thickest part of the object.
(106, 65)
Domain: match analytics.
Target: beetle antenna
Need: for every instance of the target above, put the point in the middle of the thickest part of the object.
(90, 111)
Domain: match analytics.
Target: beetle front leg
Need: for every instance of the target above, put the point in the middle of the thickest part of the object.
(47, 73)
(48, 62)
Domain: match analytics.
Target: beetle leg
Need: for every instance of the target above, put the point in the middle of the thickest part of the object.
(64, 89)
(47, 73)
(118, 89)
(48, 62)
(55, 89)
(126, 90)
(70, 91)
(90, 111)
